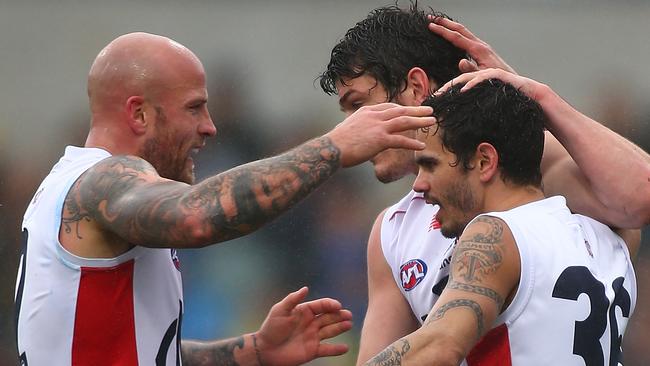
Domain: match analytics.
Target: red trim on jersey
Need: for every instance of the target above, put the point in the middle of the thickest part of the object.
(492, 350)
(104, 326)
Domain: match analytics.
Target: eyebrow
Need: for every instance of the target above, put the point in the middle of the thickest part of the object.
(422, 160)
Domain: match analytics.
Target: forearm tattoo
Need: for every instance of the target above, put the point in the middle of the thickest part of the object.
(222, 207)
(392, 355)
(480, 290)
(472, 305)
(204, 354)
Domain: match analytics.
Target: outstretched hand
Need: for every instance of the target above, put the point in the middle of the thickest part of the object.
(481, 54)
(293, 331)
(372, 129)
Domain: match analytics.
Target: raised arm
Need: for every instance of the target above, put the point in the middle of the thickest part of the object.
(124, 195)
(484, 271)
(601, 174)
(292, 334)
(388, 316)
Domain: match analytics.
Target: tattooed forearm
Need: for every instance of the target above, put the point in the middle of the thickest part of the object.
(481, 254)
(472, 305)
(244, 198)
(392, 355)
(125, 195)
(485, 291)
(214, 354)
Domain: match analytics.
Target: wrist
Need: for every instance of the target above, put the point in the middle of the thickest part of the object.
(256, 349)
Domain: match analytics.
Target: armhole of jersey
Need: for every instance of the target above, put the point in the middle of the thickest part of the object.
(74, 261)
(384, 240)
(526, 277)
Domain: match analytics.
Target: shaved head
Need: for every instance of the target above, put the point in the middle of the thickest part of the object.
(137, 64)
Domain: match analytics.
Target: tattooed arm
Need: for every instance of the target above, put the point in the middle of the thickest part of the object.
(124, 195)
(228, 352)
(484, 271)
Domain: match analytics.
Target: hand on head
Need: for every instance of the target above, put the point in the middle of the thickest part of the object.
(482, 56)
(372, 129)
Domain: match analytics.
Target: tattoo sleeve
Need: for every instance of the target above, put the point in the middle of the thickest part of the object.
(126, 196)
(392, 355)
(219, 353)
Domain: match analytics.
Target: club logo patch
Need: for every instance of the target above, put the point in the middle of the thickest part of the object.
(412, 273)
(175, 260)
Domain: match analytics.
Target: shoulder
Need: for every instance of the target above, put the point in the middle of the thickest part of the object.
(119, 168)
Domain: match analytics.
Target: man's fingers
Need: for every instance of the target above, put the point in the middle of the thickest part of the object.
(404, 123)
(327, 349)
(404, 111)
(291, 301)
(403, 142)
(334, 317)
(455, 26)
(334, 329)
(466, 65)
(453, 37)
(321, 306)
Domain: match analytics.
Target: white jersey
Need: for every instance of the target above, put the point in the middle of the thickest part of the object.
(417, 253)
(576, 292)
(79, 311)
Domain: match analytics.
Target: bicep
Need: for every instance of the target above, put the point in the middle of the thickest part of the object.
(389, 315)
(124, 195)
(484, 272)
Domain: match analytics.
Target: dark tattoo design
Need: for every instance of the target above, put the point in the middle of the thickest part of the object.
(391, 356)
(125, 195)
(482, 254)
(73, 215)
(203, 354)
(485, 291)
(473, 305)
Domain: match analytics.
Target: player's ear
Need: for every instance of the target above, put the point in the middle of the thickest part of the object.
(487, 161)
(417, 85)
(136, 115)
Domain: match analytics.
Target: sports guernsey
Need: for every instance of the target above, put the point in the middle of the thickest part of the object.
(417, 253)
(80, 311)
(576, 292)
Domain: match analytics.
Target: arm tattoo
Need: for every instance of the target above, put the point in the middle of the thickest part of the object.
(204, 354)
(391, 356)
(125, 195)
(482, 254)
(473, 305)
(485, 291)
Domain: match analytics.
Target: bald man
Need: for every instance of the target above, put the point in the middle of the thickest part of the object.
(99, 281)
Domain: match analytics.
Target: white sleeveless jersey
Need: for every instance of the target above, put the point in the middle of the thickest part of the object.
(576, 292)
(78, 311)
(417, 253)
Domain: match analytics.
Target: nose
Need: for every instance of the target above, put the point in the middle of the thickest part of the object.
(207, 127)
(420, 185)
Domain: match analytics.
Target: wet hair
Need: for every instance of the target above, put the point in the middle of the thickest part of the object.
(497, 113)
(387, 45)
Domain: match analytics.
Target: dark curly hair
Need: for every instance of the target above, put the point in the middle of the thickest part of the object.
(494, 112)
(389, 43)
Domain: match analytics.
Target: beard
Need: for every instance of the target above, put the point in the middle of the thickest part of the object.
(163, 152)
(460, 198)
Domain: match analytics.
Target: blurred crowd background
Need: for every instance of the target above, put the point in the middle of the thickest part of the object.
(262, 59)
